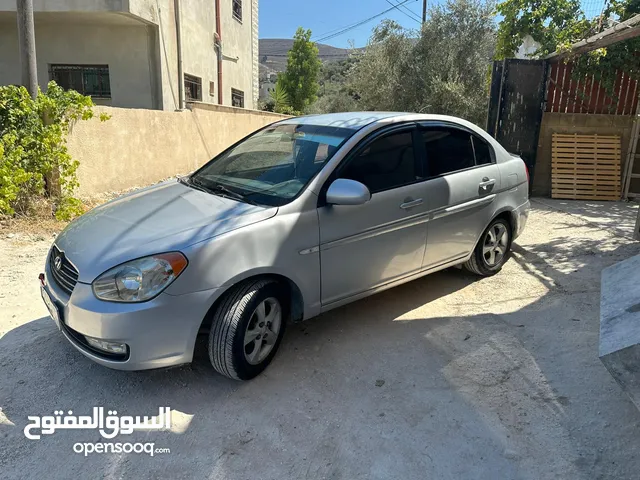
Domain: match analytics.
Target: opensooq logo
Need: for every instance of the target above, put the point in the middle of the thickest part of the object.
(108, 426)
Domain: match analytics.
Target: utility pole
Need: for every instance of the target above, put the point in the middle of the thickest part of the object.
(27, 41)
(176, 8)
(424, 11)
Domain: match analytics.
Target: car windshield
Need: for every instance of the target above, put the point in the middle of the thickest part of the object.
(272, 166)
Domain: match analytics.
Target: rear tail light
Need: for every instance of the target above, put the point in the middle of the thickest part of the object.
(526, 169)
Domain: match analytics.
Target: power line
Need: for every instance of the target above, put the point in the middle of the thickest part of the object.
(339, 29)
(411, 15)
(342, 30)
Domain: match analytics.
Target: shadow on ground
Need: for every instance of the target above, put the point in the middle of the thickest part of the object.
(444, 377)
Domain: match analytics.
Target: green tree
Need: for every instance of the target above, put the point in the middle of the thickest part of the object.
(33, 148)
(551, 23)
(300, 80)
(279, 97)
(441, 69)
(557, 24)
(335, 94)
(605, 63)
(338, 100)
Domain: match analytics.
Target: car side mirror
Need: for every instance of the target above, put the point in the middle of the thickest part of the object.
(347, 192)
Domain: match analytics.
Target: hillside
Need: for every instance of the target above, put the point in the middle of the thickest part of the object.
(273, 54)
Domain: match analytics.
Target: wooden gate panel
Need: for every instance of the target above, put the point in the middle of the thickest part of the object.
(585, 167)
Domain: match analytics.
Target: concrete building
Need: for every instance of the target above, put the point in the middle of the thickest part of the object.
(129, 53)
(266, 88)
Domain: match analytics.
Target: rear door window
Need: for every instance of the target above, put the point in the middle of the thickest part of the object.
(451, 149)
(482, 151)
(448, 150)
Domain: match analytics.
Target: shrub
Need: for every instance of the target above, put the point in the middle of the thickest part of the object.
(34, 160)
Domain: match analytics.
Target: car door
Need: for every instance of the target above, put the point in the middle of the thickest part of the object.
(365, 246)
(463, 179)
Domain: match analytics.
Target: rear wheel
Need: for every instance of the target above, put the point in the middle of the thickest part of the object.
(492, 250)
(247, 329)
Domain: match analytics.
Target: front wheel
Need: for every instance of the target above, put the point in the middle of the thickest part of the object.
(492, 250)
(247, 329)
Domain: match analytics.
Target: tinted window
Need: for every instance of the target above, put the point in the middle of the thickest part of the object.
(448, 150)
(482, 151)
(386, 163)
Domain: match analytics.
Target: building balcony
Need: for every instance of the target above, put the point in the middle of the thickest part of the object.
(141, 10)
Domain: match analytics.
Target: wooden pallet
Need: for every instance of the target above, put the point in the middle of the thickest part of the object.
(585, 167)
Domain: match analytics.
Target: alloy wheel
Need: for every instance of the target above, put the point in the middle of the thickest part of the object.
(262, 330)
(495, 245)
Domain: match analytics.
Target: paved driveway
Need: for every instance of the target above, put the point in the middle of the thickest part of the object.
(444, 377)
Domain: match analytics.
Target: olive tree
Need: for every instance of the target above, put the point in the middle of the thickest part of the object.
(444, 68)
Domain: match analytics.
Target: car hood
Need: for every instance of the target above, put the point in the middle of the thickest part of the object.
(165, 217)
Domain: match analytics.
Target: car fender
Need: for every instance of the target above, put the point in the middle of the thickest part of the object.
(282, 245)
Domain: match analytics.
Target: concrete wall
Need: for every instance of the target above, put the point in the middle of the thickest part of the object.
(138, 147)
(138, 40)
(574, 123)
(123, 47)
(255, 52)
(199, 56)
(237, 43)
(70, 5)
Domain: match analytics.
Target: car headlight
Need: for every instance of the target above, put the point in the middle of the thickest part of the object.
(139, 280)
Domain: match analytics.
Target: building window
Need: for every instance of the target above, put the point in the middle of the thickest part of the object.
(237, 9)
(92, 80)
(212, 89)
(192, 88)
(237, 98)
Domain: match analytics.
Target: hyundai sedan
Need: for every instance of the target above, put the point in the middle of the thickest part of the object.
(300, 217)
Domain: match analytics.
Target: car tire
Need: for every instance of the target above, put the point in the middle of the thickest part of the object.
(254, 309)
(492, 250)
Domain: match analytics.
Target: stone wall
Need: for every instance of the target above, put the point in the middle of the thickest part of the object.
(138, 147)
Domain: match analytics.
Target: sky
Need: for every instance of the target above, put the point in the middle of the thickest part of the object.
(281, 18)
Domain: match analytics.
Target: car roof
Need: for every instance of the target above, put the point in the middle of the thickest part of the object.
(353, 120)
(357, 120)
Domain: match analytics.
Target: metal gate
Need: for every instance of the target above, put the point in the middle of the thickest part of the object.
(516, 104)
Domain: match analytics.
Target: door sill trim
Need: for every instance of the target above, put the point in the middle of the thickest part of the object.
(393, 283)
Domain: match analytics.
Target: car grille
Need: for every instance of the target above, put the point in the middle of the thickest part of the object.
(65, 275)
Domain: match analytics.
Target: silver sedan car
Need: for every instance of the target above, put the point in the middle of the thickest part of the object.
(300, 217)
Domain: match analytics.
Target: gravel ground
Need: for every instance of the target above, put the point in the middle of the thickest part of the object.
(445, 377)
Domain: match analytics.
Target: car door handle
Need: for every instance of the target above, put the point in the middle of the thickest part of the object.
(487, 182)
(411, 203)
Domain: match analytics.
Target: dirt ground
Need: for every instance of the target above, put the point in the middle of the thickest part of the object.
(445, 377)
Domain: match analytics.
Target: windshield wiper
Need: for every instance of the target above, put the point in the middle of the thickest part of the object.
(189, 182)
(217, 189)
(224, 191)
(186, 180)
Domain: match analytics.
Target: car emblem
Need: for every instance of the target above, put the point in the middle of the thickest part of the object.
(57, 262)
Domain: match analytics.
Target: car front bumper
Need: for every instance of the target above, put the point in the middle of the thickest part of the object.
(158, 333)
